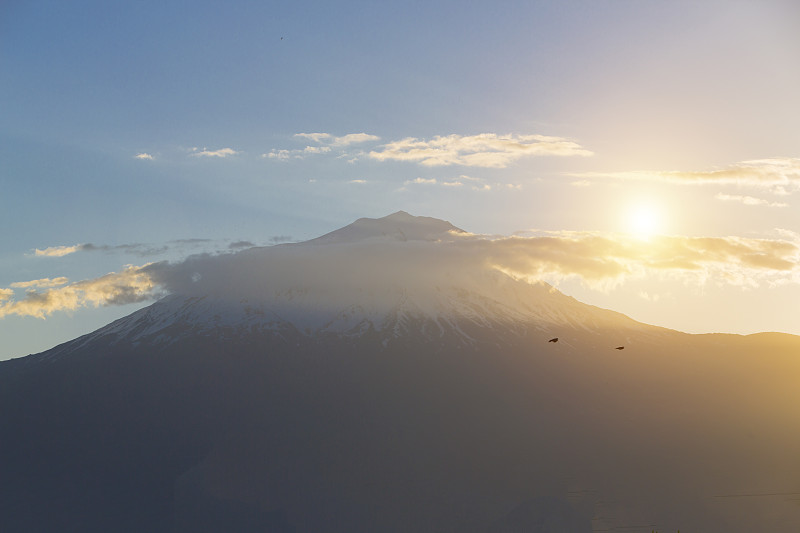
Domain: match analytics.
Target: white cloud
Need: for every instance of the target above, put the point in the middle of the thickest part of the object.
(316, 149)
(357, 181)
(581, 183)
(485, 150)
(281, 155)
(221, 153)
(748, 200)
(353, 138)
(316, 137)
(144, 155)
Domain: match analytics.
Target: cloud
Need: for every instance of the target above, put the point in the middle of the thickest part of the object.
(138, 249)
(605, 260)
(601, 261)
(282, 155)
(133, 284)
(345, 140)
(421, 181)
(358, 182)
(38, 283)
(144, 155)
(315, 137)
(316, 149)
(353, 138)
(485, 150)
(240, 244)
(780, 175)
(476, 184)
(329, 143)
(58, 251)
(221, 153)
(581, 183)
(748, 200)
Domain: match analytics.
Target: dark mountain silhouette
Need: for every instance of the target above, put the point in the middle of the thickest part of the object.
(389, 398)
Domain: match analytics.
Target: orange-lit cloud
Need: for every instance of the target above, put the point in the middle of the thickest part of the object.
(39, 283)
(58, 251)
(133, 284)
(780, 175)
(485, 150)
(144, 155)
(604, 261)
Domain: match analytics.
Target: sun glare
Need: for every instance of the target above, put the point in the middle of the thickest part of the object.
(643, 220)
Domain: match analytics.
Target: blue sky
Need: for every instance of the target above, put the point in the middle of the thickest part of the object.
(154, 130)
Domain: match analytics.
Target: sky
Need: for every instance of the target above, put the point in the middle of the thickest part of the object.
(644, 155)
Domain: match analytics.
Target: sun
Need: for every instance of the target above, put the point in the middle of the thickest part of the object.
(643, 220)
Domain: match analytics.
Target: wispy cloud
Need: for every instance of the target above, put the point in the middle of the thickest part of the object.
(779, 175)
(422, 181)
(748, 200)
(39, 283)
(358, 182)
(485, 150)
(324, 143)
(475, 184)
(138, 249)
(144, 155)
(344, 140)
(221, 153)
(58, 251)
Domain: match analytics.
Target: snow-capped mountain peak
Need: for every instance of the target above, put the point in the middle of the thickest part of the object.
(399, 226)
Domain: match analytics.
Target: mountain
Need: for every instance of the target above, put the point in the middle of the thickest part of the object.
(398, 226)
(379, 378)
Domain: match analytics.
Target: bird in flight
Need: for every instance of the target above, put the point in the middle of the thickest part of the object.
(619, 348)
(554, 339)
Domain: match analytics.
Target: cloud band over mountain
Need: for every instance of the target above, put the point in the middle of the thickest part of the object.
(601, 261)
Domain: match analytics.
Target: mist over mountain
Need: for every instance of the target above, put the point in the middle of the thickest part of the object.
(384, 377)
